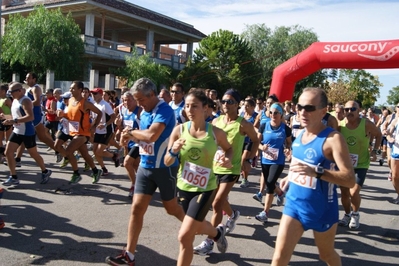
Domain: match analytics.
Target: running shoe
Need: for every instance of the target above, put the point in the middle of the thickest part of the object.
(131, 192)
(46, 177)
(244, 183)
(86, 168)
(396, 201)
(205, 248)
(221, 243)
(354, 223)
(59, 158)
(345, 220)
(231, 222)
(280, 199)
(261, 217)
(65, 162)
(18, 163)
(75, 179)
(122, 259)
(96, 177)
(390, 176)
(115, 158)
(11, 182)
(2, 224)
(381, 161)
(258, 196)
(105, 172)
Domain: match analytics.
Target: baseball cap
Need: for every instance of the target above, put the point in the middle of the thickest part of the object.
(66, 95)
(97, 90)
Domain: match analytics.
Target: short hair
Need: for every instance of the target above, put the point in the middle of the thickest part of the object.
(33, 75)
(250, 102)
(165, 91)
(127, 94)
(4, 87)
(359, 103)
(57, 90)
(178, 84)
(79, 84)
(145, 86)
(273, 97)
(214, 91)
(322, 94)
(50, 90)
(211, 103)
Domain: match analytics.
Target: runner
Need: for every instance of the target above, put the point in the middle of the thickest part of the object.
(195, 143)
(311, 200)
(177, 102)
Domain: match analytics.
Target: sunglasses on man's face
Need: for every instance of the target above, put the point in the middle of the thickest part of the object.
(352, 109)
(229, 102)
(308, 108)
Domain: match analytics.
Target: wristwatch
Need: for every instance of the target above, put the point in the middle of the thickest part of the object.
(16, 120)
(249, 160)
(319, 171)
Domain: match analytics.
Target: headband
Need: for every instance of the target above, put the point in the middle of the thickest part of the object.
(278, 107)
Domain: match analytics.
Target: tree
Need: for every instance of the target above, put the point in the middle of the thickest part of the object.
(44, 40)
(223, 60)
(338, 92)
(272, 48)
(393, 96)
(138, 66)
(362, 83)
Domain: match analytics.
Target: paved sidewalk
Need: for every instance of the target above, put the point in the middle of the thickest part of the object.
(84, 223)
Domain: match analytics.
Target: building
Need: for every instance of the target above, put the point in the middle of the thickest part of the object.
(112, 28)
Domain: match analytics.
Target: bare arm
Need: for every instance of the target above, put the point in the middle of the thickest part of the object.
(169, 159)
(249, 130)
(374, 132)
(332, 122)
(37, 95)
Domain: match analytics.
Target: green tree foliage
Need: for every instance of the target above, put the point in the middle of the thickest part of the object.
(45, 39)
(273, 47)
(223, 60)
(393, 96)
(360, 83)
(139, 66)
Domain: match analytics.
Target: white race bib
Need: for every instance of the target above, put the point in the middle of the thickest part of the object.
(218, 155)
(271, 154)
(302, 180)
(354, 159)
(73, 126)
(128, 123)
(146, 148)
(196, 175)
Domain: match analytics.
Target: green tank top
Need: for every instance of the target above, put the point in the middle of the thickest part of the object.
(6, 109)
(237, 142)
(358, 144)
(196, 161)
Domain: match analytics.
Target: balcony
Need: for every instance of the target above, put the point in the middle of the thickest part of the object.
(106, 49)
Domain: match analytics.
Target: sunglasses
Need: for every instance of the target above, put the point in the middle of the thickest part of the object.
(274, 113)
(229, 102)
(15, 90)
(177, 92)
(307, 108)
(352, 109)
(397, 106)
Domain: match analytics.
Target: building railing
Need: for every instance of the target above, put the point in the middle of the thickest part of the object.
(118, 51)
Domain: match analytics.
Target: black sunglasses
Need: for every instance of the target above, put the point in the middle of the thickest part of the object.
(177, 92)
(274, 113)
(307, 108)
(352, 109)
(230, 102)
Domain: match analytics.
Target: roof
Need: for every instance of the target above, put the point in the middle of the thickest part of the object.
(120, 5)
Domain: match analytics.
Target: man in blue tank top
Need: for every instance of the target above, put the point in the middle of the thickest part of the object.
(311, 200)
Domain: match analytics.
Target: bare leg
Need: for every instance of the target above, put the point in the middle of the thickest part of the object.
(325, 244)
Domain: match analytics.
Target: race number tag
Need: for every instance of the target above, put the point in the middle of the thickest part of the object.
(218, 155)
(354, 159)
(146, 148)
(302, 180)
(73, 127)
(128, 123)
(196, 175)
(271, 154)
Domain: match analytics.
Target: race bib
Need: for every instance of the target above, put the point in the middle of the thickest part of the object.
(271, 154)
(146, 148)
(218, 155)
(294, 132)
(196, 175)
(302, 180)
(354, 159)
(128, 123)
(73, 127)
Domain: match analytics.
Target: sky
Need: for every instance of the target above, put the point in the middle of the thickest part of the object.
(331, 20)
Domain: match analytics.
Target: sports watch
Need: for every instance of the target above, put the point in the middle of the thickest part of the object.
(319, 171)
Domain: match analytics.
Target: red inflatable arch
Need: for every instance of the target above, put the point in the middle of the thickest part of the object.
(351, 55)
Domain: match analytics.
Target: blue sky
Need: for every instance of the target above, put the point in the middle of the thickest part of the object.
(332, 21)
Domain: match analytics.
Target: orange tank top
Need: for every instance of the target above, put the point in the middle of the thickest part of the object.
(79, 119)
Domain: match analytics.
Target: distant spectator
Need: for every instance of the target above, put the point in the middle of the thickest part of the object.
(164, 94)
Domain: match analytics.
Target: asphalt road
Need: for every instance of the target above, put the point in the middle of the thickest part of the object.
(84, 223)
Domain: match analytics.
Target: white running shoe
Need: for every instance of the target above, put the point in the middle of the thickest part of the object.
(205, 248)
(231, 222)
(261, 217)
(11, 182)
(221, 243)
(354, 223)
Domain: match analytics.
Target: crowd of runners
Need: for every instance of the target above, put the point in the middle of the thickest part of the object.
(195, 146)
